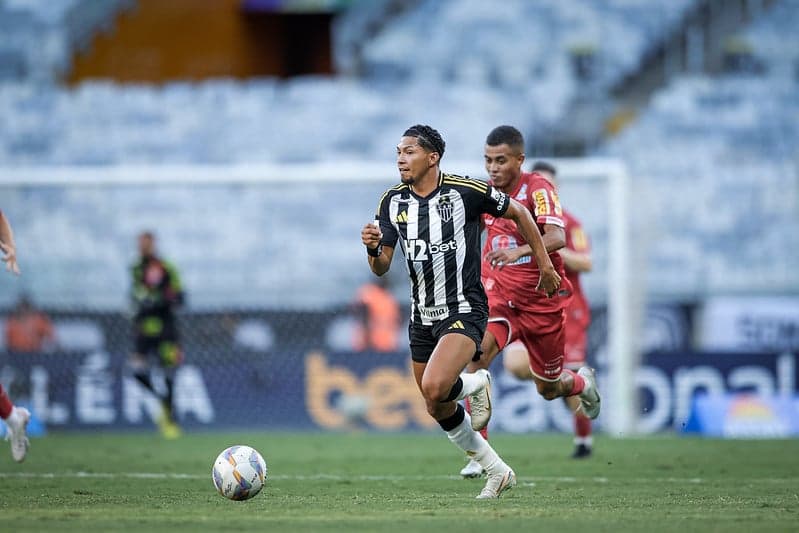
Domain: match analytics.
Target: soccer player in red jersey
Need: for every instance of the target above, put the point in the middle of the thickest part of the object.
(577, 259)
(16, 418)
(516, 310)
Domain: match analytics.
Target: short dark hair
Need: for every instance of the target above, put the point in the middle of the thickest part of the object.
(506, 135)
(546, 167)
(427, 137)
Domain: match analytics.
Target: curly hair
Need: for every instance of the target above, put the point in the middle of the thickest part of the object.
(427, 137)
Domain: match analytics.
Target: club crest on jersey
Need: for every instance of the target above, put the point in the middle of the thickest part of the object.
(444, 207)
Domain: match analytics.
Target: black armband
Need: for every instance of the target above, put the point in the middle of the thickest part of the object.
(375, 252)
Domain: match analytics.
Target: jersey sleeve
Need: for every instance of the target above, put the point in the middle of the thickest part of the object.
(495, 202)
(547, 206)
(383, 219)
(576, 239)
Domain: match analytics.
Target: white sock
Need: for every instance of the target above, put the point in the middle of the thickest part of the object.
(472, 382)
(476, 447)
(588, 441)
(13, 419)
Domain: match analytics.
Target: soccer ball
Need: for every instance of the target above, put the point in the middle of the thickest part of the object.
(239, 473)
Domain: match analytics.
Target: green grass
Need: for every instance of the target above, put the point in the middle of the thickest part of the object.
(402, 482)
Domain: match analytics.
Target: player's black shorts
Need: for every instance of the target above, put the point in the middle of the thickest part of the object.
(151, 345)
(163, 348)
(424, 338)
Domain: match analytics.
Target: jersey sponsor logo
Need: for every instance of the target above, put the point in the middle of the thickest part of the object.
(508, 242)
(421, 250)
(444, 208)
(556, 203)
(522, 194)
(542, 205)
(433, 312)
(579, 240)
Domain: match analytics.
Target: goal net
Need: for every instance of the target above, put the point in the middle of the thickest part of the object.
(271, 259)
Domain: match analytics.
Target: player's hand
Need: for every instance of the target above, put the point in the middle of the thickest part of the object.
(371, 235)
(549, 281)
(503, 256)
(10, 258)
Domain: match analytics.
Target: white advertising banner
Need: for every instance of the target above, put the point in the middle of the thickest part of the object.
(767, 324)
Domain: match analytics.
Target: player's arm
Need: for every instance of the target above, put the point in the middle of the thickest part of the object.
(549, 280)
(7, 245)
(577, 255)
(173, 292)
(576, 261)
(379, 256)
(554, 241)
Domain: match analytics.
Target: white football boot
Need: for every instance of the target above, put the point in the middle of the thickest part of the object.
(590, 400)
(497, 484)
(16, 427)
(480, 403)
(472, 470)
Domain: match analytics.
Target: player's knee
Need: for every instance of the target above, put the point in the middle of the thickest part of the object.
(435, 391)
(548, 390)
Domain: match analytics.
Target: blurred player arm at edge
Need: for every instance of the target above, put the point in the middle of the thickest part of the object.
(578, 257)
(7, 244)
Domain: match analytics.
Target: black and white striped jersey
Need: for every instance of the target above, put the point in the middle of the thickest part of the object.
(440, 238)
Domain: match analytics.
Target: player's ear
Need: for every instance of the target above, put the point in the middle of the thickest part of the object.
(521, 158)
(433, 158)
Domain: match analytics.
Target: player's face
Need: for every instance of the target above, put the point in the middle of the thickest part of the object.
(146, 245)
(504, 165)
(413, 161)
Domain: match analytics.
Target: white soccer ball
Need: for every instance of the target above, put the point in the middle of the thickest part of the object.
(239, 473)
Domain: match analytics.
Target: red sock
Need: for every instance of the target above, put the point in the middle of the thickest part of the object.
(578, 383)
(582, 425)
(484, 431)
(5, 404)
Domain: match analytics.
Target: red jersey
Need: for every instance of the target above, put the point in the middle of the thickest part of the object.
(516, 282)
(576, 239)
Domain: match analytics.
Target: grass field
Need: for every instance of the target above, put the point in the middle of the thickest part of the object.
(403, 482)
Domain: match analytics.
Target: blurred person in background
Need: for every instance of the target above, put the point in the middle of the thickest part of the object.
(379, 318)
(436, 217)
(517, 312)
(156, 292)
(28, 329)
(16, 418)
(577, 259)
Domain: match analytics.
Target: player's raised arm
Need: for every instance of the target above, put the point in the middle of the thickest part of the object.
(549, 280)
(7, 245)
(379, 255)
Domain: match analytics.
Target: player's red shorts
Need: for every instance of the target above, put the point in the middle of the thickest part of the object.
(542, 334)
(576, 341)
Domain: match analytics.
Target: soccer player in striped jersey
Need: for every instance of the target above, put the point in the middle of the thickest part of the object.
(436, 218)
(16, 418)
(516, 310)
